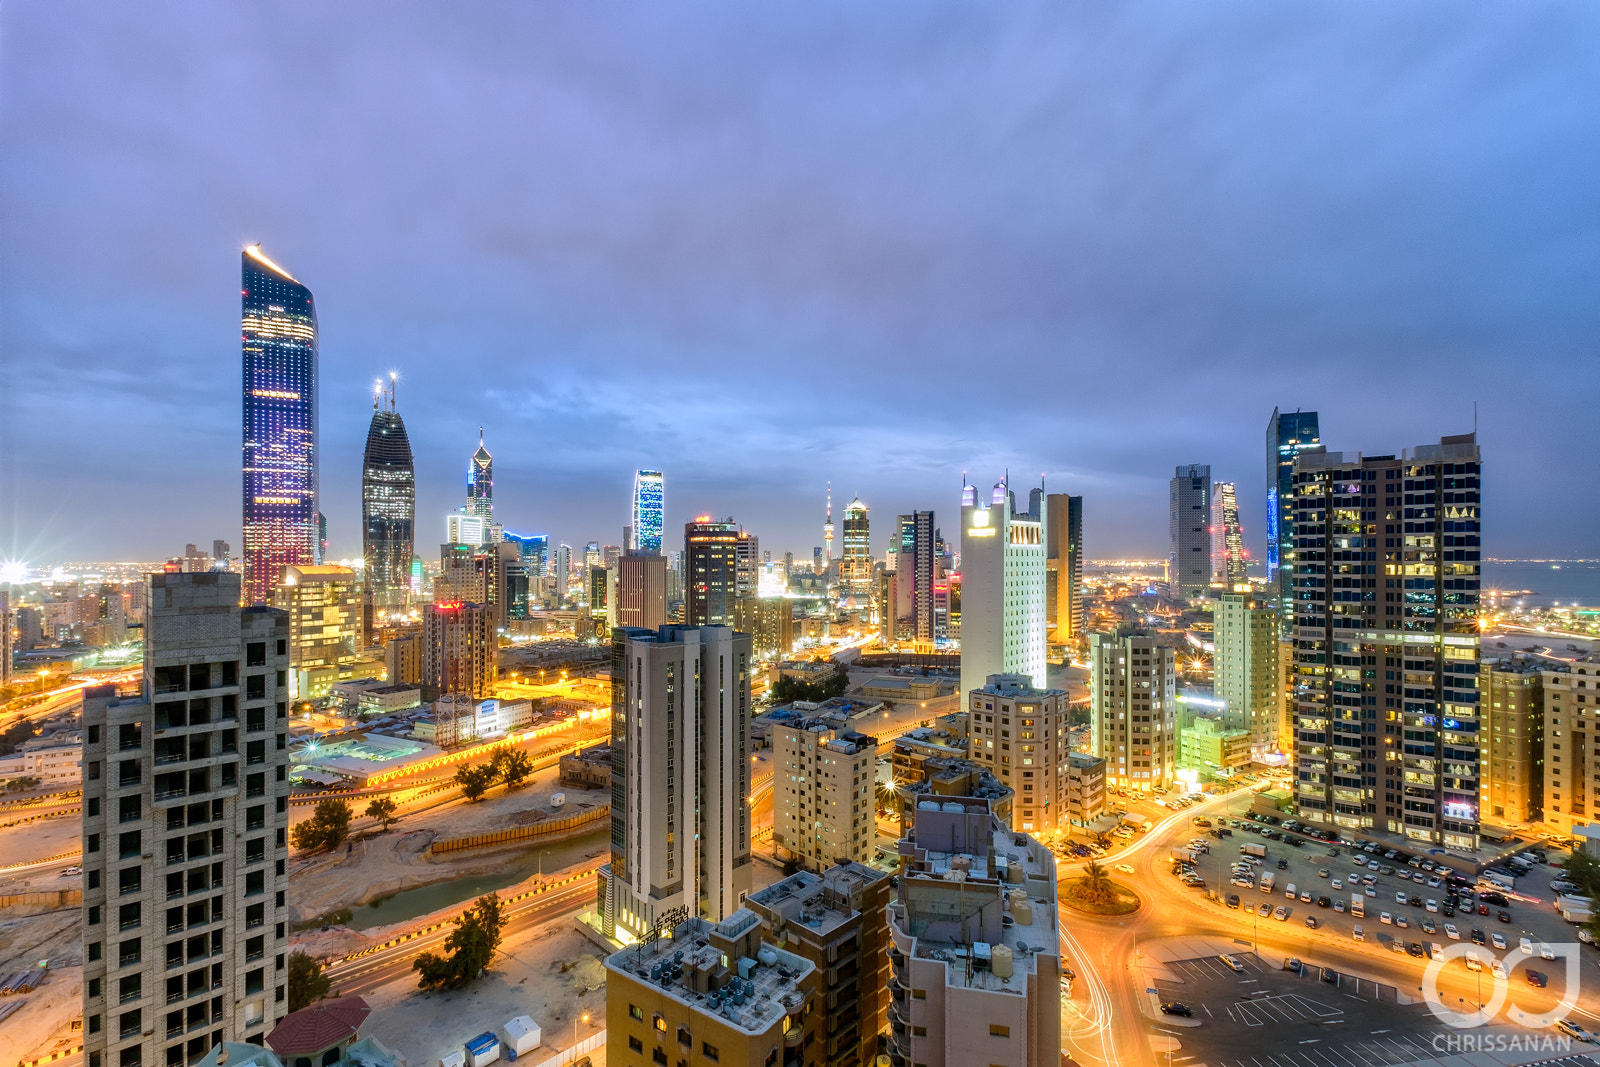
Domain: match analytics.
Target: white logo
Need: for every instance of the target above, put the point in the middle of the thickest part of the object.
(1566, 950)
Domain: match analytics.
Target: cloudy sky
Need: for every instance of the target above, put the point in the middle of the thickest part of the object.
(762, 246)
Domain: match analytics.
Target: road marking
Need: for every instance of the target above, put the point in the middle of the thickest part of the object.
(1380, 1031)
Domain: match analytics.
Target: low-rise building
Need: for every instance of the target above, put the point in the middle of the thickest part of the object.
(914, 749)
(458, 719)
(1085, 792)
(326, 1034)
(386, 698)
(52, 760)
(589, 768)
(822, 797)
(1209, 747)
(949, 776)
(909, 690)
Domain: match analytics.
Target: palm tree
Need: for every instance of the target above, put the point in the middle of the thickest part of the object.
(1096, 884)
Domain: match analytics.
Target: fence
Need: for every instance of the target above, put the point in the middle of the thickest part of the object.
(588, 1044)
(55, 898)
(523, 833)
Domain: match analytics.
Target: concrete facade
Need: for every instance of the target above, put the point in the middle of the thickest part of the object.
(1002, 587)
(459, 649)
(822, 796)
(1133, 709)
(1511, 755)
(1246, 666)
(1020, 734)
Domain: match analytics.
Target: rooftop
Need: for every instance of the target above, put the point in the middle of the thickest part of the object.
(819, 902)
(319, 1026)
(1016, 685)
(844, 740)
(723, 970)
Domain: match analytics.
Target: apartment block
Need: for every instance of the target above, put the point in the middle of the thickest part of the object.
(1133, 709)
(1571, 731)
(1246, 666)
(1085, 792)
(968, 986)
(460, 651)
(1021, 735)
(325, 609)
(1511, 742)
(185, 821)
(922, 775)
(822, 798)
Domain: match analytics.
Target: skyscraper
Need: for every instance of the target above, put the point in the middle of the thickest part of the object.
(1063, 560)
(711, 553)
(279, 331)
(914, 574)
(325, 625)
(855, 569)
(1386, 559)
(1189, 551)
(459, 653)
(480, 483)
(185, 927)
(648, 509)
(1227, 540)
(388, 502)
(1002, 587)
(680, 779)
(1287, 434)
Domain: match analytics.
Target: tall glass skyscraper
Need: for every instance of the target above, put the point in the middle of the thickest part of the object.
(480, 483)
(647, 512)
(388, 501)
(279, 329)
(1287, 434)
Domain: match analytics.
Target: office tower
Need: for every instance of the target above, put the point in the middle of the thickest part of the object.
(1227, 539)
(220, 552)
(1189, 551)
(1021, 735)
(402, 657)
(1287, 434)
(747, 564)
(388, 502)
(712, 994)
(675, 581)
(591, 556)
(711, 553)
(480, 483)
(279, 328)
(533, 550)
(563, 569)
(1002, 576)
(459, 649)
(914, 575)
(837, 920)
(648, 509)
(1511, 759)
(184, 832)
(1063, 561)
(642, 591)
(1571, 794)
(324, 605)
(855, 568)
(463, 529)
(322, 538)
(817, 566)
(1133, 709)
(680, 780)
(981, 989)
(1245, 666)
(512, 574)
(596, 595)
(1385, 684)
(822, 796)
(770, 623)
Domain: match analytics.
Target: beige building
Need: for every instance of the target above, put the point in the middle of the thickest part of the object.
(1209, 746)
(770, 623)
(402, 659)
(1021, 735)
(324, 604)
(1246, 666)
(714, 995)
(1571, 726)
(460, 653)
(54, 761)
(1085, 793)
(1133, 709)
(1511, 745)
(822, 799)
(920, 777)
(641, 593)
(968, 986)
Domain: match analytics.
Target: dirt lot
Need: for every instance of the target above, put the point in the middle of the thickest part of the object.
(43, 1023)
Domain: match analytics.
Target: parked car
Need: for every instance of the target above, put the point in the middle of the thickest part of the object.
(1232, 964)
(1451, 932)
(1174, 1008)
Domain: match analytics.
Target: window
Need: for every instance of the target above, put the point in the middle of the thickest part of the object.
(129, 1056)
(255, 981)
(635, 1012)
(92, 843)
(128, 809)
(94, 915)
(255, 654)
(659, 1023)
(919, 994)
(996, 1030)
(919, 1031)
(635, 1044)
(128, 988)
(658, 1056)
(709, 1050)
(255, 687)
(129, 1026)
(94, 987)
(128, 880)
(128, 845)
(128, 916)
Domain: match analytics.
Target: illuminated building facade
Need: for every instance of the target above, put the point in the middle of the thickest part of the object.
(480, 483)
(1386, 662)
(1002, 587)
(648, 509)
(1020, 735)
(279, 344)
(324, 605)
(1133, 704)
(822, 798)
(1571, 794)
(1287, 434)
(1227, 539)
(1512, 758)
(911, 611)
(1189, 531)
(388, 503)
(855, 568)
(711, 557)
(459, 649)
(1065, 611)
(1246, 666)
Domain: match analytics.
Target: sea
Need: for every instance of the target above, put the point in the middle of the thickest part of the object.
(1546, 584)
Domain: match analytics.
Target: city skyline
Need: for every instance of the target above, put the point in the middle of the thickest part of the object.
(1406, 258)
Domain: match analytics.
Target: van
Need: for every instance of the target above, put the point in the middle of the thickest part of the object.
(1358, 933)
(1358, 906)
(1289, 891)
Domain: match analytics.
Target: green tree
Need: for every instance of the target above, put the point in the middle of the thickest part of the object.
(1583, 869)
(22, 784)
(511, 766)
(382, 809)
(1096, 883)
(786, 689)
(307, 983)
(475, 779)
(327, 827)
(470, 947)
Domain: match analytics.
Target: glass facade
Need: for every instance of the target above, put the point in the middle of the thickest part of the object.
(647, 512)
(388, 502)
(480, 483)
(279, 342)
(1287, 434)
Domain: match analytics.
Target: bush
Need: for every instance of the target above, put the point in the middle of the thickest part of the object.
(307, 983)
(327, 828)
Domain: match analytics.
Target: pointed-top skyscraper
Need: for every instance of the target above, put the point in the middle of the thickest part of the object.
(388, 500)
(278, 327)
(480, 483)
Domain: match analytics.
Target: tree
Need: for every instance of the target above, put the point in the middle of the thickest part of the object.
(1584, 870)
(470, 947)
(22, 784)
(1096, 884)
(475, 779)
(511, 766)
(327, 828)
(307, 983)
(382, 809)
(787, 689)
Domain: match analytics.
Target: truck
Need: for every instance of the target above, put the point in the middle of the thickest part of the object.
(1258, 851)
(1267, 881)
(1183, 855)
(1358, 906)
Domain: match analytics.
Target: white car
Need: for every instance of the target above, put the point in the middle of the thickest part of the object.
(1473, 963)
(1451, 932)
(1337, 884)
(1280, 913)
(1400, 898)
(1526, 945)
(1359, 934)
(1431, 905)
(1497, 939)
(1371, 892)
(1435, 882)
(1372, 866)
(1386, 919)
(1546, 952)
(1497, 969)
(1125, 868)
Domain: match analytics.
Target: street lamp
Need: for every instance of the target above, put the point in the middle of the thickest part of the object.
(575, 1034)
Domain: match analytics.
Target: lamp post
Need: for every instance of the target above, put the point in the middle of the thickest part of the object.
(575, 1035)
(543, 852)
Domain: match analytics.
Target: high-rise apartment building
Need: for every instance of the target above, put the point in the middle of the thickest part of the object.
(279, 329)
(480, 483)
(711, 556)
(680, 779)
(402, 658)
(1002, 587)
(1084, 795)
(388, 503)
(8, 649)
(1287, 434)
(855, 567)
(822, 792)
(966, 985)
(1385, 672)
(460, 653)
(1571, 794)
(642, 591)
(914, 573)
(648, 509)
(837, 920)
(1227, 538)
(1065, 607)
(1245, 666)
(1020, 735)
(1511, 756)
(770, 623)
(324, 605)
(1189, 531)
(185, 819)
(1133, 709)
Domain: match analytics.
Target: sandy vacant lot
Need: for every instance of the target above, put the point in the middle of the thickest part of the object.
(43, 1022)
